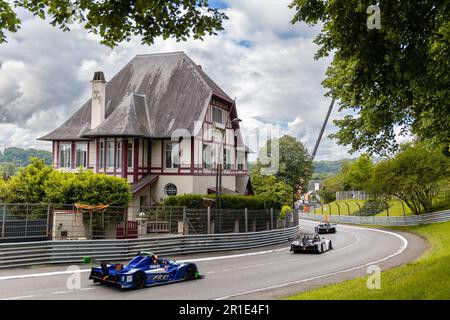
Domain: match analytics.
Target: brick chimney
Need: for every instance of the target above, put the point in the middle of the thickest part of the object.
(98, 102)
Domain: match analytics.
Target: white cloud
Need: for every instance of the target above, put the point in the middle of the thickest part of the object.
(260, 58)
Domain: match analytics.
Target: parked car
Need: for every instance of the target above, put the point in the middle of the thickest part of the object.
(311, 243)
(144, 270)
(325, 227)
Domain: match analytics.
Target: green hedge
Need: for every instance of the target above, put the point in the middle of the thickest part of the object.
(228, 201)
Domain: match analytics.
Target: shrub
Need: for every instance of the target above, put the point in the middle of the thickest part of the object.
(227, 201)
(284, 211)
(186, 200)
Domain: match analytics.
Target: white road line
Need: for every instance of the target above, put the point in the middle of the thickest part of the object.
(84, 289)
(16, 298)
(399, 251)
(60, 292)
(55, 273)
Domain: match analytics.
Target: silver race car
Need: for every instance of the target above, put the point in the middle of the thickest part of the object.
(311, 243)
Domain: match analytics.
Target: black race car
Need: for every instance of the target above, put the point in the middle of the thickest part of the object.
(325, 227)
(311, 243)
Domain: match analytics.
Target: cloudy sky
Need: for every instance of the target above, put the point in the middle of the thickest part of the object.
(260, 58)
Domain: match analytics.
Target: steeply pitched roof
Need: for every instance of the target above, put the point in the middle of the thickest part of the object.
(151, 96)
(129, 119)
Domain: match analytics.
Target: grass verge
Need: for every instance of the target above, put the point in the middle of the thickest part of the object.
(426, 278)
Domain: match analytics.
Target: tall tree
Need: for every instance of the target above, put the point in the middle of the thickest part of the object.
(393, 78)
(413, 176)
(116, 21)
(294, 163)
(270, 185)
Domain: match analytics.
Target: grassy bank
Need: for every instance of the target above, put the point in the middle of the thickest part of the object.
(351, 207)
(426, 278)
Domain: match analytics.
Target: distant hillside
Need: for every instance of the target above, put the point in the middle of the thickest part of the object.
(325, 169)
(21, 157)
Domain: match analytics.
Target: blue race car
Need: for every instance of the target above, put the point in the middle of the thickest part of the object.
(144, 270)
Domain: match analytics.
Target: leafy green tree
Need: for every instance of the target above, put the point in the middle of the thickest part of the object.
(116, 21)
(327, 196)
(357, 173)
(393, 77)
(28, 185)
(270, 185)
(294, 163)
(87, 187)
(3, 190)
(39, 183)
(413, 176)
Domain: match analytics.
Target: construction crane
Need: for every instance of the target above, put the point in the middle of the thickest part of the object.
(322, 130)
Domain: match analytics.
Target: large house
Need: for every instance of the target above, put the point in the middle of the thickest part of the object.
(162, 124)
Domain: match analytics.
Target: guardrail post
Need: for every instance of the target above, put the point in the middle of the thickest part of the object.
(246, 219)
(271, 218)
(3, 221)
(208, 220)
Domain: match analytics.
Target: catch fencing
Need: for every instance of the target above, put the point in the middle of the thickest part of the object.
(411, 220)
(63, 251)
(39, 222)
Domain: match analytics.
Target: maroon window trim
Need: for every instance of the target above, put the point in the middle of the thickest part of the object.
(149, 156)
(115, 156)
(87, 154)
(72, 155)
(136, 160)
(105, 153)
(97, 154)
(162, 156)
(192, 154)
(124, 158)
(57, 154)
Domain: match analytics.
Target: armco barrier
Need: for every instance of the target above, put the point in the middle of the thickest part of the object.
(72, 251)
(412, 220)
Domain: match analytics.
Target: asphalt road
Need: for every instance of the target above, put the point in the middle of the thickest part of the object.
(252, 274)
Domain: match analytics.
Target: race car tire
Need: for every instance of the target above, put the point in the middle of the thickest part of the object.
(139, 280)
(321, 248)
(331, 245)
(190, 273)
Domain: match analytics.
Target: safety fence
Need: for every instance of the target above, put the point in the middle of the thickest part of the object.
(39, 222)
(411, 220)
(64, 251)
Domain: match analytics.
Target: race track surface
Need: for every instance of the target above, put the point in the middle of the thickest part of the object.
(262, 273)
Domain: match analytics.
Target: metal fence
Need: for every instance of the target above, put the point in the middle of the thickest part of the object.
(62, 251)
(411, 220)
(33, 222)
(352, 195)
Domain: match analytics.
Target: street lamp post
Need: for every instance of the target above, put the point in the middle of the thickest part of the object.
(219, 168)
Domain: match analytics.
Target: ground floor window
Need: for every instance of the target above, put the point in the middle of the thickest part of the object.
(65, 151)
(170, 189)
(81, 155)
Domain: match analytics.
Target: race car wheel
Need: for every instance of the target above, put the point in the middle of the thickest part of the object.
(331, 245)
(190, 273)
(139, 280)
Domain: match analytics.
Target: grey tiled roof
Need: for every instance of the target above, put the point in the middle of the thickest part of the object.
(150, 97)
